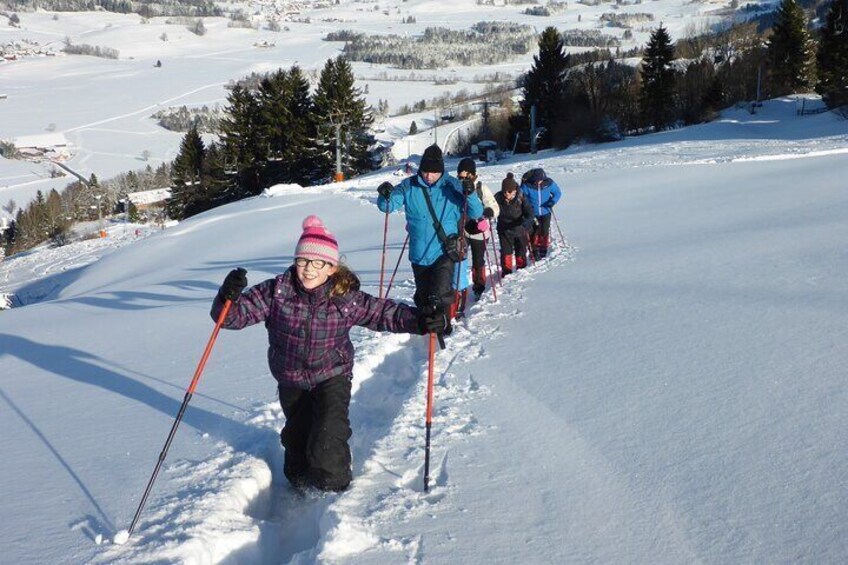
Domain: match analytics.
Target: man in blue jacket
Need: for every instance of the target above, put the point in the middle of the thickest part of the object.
(542, 193)
(432, 266)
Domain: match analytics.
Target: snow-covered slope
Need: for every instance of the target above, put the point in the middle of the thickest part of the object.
(668, 388)
(103, 107)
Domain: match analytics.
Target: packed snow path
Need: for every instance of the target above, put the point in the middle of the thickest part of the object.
(247, 513)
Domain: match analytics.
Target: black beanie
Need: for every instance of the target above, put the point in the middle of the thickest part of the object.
(468, 165)
(432, 160)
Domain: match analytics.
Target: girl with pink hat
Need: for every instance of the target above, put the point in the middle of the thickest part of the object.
(309, 311)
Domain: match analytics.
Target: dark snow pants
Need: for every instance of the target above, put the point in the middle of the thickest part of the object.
(513, 240)
(541, 236)
(434, 280)
(316, 434)
(478, 263)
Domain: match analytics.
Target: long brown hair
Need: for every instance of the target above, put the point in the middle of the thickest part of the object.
(343, 281)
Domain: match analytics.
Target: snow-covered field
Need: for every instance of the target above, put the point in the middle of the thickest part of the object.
(668, 388)
(103, 107)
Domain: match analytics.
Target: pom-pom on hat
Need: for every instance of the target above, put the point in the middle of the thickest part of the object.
(316, 242)
(432, 161)
(468, 165)
(509, 184)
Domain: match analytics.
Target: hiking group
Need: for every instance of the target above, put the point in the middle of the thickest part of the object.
(309, 309)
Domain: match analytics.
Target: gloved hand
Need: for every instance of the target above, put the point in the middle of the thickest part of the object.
(468, 186)
(483, 226)
(234, 283)
(385, 190)
(435, 322)
(488, 213)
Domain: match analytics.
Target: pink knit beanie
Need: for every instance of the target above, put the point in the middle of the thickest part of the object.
(316, 242)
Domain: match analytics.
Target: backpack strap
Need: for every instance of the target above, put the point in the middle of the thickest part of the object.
(440, 231)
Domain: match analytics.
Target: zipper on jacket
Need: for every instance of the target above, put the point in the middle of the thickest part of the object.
(539, 200)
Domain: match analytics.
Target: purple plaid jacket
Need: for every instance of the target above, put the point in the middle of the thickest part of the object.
(309, 331)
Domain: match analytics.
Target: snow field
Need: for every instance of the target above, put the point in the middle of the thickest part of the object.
(238, 507)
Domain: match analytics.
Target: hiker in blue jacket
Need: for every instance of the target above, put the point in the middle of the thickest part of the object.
(432, 241)
(542, 193)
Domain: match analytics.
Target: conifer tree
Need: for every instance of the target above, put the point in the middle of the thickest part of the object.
(338, 101)
(214, 174)
(657, 100)
(244, 147)
(300, 148)
(790, 51)
(832, 56)
(544, 85)
(188, 193)
(57, 222)
(275, 117)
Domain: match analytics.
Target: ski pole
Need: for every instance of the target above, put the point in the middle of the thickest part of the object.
(532, 252)
(495, 255)
(553, 215)
(428, 418)
(383, 257)
(491, 270)
(186, 399)
(391, 280)
(461, 234)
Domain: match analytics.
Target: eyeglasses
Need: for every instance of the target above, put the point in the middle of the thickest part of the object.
(317, 264)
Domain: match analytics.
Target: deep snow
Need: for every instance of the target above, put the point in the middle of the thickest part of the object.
(669, 388)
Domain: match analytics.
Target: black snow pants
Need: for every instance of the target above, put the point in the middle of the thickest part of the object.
(434, 280)
(316, 434)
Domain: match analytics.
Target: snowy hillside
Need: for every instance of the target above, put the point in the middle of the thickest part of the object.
(102, 108)
(668, 389)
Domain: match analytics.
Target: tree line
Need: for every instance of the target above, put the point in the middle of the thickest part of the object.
(683, 83)
(274, 130)
(145, 8)
(486, 43)
(51, 217)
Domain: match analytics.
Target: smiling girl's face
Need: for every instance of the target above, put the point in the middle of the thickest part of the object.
(312, 273)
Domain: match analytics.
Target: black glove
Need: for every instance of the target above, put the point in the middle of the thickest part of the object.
(488, 212)
(437, 322)
(468, 186)
(385, 190)
(235, 282)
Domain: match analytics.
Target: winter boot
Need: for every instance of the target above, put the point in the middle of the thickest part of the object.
(478, 275)
(507, 264)
(538, 244)
(521, 261)
(460, 306)
(544, 241)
